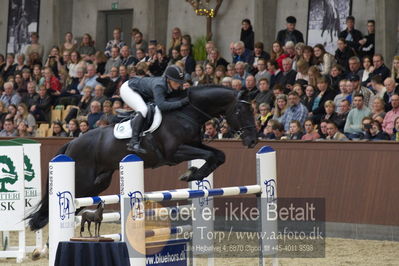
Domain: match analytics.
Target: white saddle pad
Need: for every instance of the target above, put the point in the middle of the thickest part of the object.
(124, 130)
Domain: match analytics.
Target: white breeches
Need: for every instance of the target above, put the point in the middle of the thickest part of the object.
(133, 99)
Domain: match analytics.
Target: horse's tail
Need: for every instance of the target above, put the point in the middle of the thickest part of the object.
(39, 218)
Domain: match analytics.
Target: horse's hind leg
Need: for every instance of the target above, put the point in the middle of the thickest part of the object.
(98, 228)
(88, 227)
(82, 226)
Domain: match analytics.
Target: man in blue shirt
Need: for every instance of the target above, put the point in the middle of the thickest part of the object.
(295, 111)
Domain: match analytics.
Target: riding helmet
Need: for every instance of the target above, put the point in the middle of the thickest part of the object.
(175, 73)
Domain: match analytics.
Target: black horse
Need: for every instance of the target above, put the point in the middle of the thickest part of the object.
(97, 153)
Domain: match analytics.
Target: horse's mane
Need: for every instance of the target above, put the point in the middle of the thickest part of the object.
(207, 86)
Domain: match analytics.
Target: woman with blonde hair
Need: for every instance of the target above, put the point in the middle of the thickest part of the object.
(176, 40)
(302, 68)
(87, 45)
(378, 109)
(395, 69)
(23, 115)
(313, 74)
(324, 60)
(280, 106)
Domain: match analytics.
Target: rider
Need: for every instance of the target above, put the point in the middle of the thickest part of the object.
(139, 90)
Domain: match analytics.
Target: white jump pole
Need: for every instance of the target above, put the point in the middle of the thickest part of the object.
(200, 204)
(266, 170)
(61, 202)
(132, 208)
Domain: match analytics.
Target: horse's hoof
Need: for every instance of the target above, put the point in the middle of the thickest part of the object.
(187, 176)
(36, 254)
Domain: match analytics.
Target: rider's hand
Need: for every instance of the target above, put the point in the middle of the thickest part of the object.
(185, 101)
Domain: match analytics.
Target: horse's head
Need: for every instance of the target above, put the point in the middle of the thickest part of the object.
(242, 120)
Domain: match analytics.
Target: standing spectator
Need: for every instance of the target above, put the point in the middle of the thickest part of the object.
(388, 123)
(83, 127)
(353, 125)
(9, 68)
(8, 129)
(10, 96)
(113, 61)
(94, 114)
(86, 47)
(350, 34)
(242, 54)
(176, 40)
(262, 71)
(73, 128)
(139, 43)
(34, 47)
(343, 53)
(189, 62)
(290, 33)
(359, 89)
(41, 109)
(247, 34)
(116, 42)
(333, 133)
(309, 97)
(295, 111)
(280, 107)
(264, 94)
(379, 67)
(287, 79)
(69, 44)
(58, 130)
(367, 44)
(295, 130)
(324, 60)
(391, 89)
(310, 132)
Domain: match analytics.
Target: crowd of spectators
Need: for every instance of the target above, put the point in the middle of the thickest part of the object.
(298, 92)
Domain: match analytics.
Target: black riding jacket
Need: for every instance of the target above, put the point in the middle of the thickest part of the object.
(155, 89)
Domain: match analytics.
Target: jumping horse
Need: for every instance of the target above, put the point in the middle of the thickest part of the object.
(97, 153)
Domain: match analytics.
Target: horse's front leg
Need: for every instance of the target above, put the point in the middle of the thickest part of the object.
(213, 158)
(98, 228)
(88, 227)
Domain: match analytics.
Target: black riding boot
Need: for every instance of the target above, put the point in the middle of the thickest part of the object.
(137, 126)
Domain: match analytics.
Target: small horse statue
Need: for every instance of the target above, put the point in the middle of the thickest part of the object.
(95, 216)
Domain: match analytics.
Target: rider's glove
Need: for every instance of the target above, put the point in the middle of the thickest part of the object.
(185, 101)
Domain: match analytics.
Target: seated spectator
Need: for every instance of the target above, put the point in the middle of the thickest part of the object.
(247, 34)
(242, 54)
(343, 53)
(373, 131)
(226, 81)
(69, 44)
(20, 63)
(110, 82)
(19, 85)
(395, 69)
(330, 113)
(359, 89)
(367, 69)
(278, 54)
(259, 53)
(391, 89)
(8, 129)
(220, 73)
(288, 77)
(216, 59)
(9, 68)
(188, 60)
(314, 75)
(70, 94)
(52, 84)
(350, 34)
(295, 111)
(99, 94)
(158, 66)
(344, 108)
(176, 40)
(73, 128)
(379, 67)
(280, 107)
(302, 67)
(116, 42)
(278, 131)
(354, 67)
(324, 60)
(264, 116)
(343, 95)
(395, 131)
(209, 46)
(275, 72)
(34, 47)
(268, 130)
(2, 63)
(22, 130)
(353, 125)
(289, 49)
(277, 90)
(333, 132)
(324, 95)
(186, 40)
(322, 129)
(298, 54)
(113, 61)
(100, 61)
(41, 109)
(241, 73)
(377, 87)
(309, 97)
(298, 88)
(378, 110)
(75, 63)
(308, 56)
(58, 130)
(250, 86)
(83, 127)
(336, 75)
(295, 130)
(210, 131)
(86, 47)
(175, 56)
(199, 75)
(209, 74)
(264, 94)
(108, 112)
(24, 115)
(3, 113)
(310, 132)
(262, 71)
(388, 123)
(231, 70)
(225, 131)
(139, 43)
(11, 112)
(102, 123)
(10, 96)
(126, 58)
(123, 76)
(85, 101)
(94, 114)
(53, 61)
(290, 33)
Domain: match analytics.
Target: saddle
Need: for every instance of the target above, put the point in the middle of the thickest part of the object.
(123, 130)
